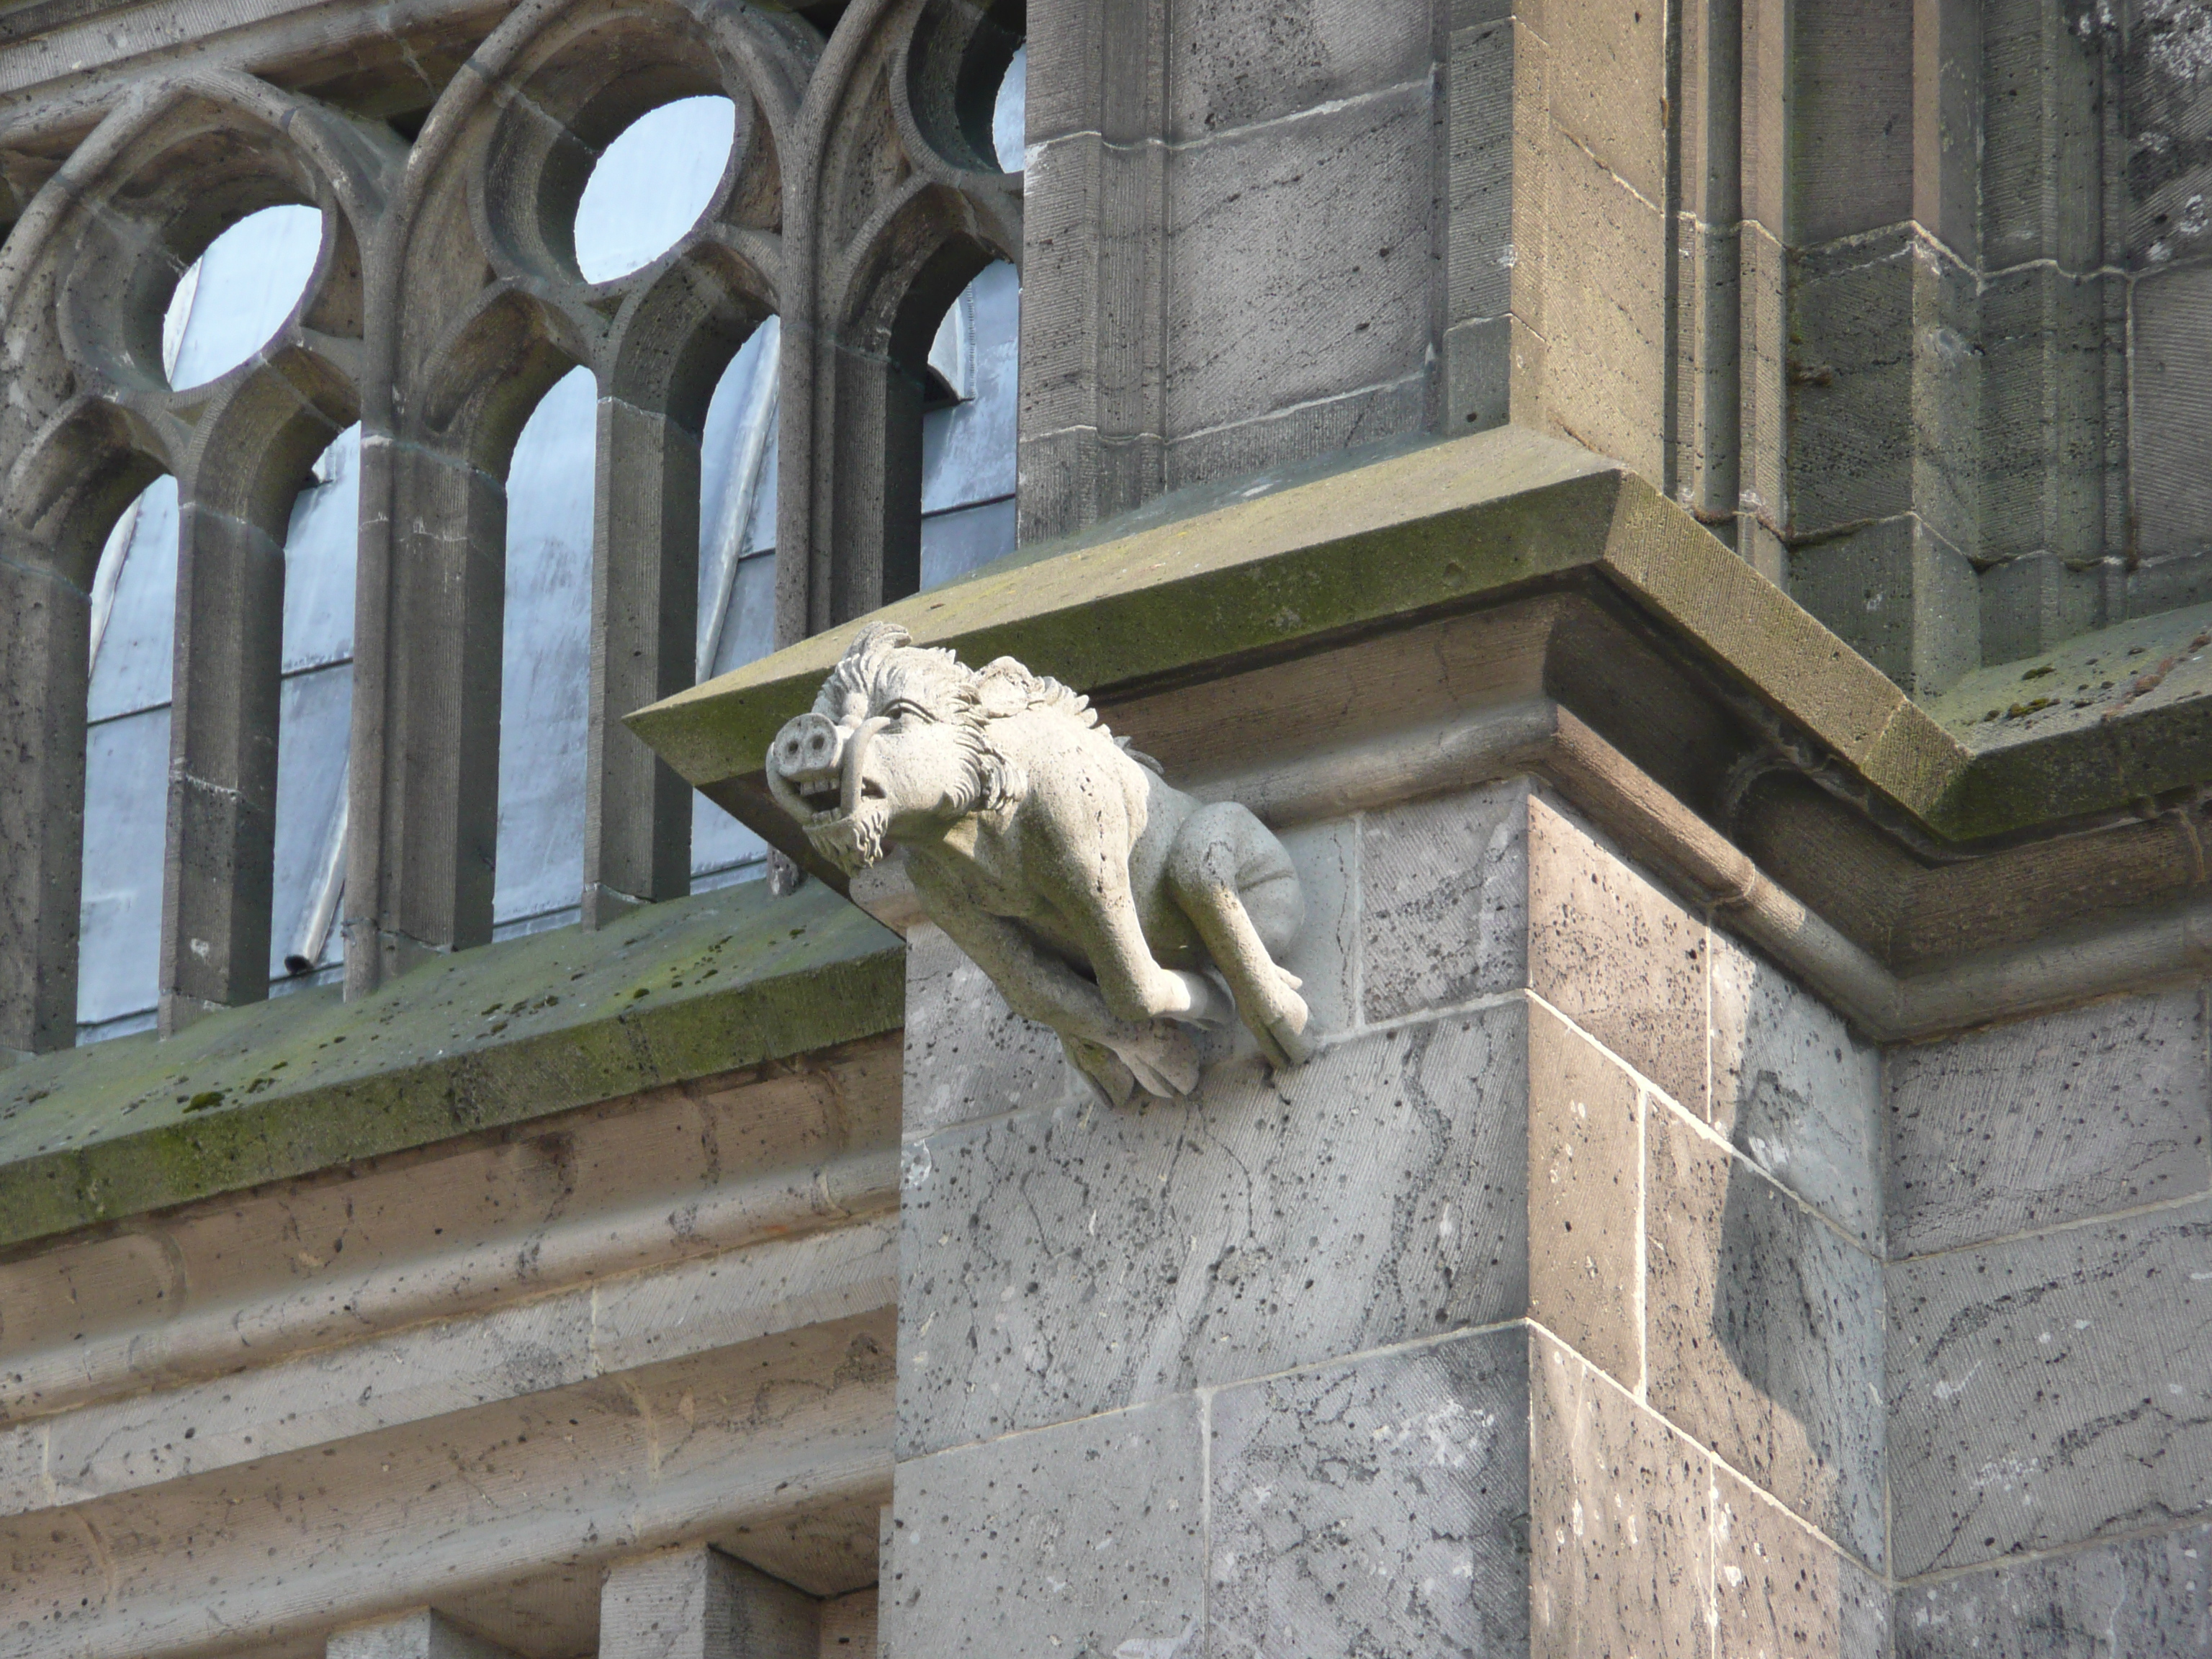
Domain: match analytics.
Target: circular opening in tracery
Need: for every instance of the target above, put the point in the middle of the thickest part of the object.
(236, 295)
(650, 185)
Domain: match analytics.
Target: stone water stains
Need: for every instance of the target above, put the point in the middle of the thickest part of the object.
(1379, 1505)
(2022, 1127)
(1086, 1538)
(2148, 1596)
(1065, 1260)
(2050, 1390)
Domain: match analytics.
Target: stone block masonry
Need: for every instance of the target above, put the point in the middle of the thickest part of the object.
(1595, 1289)
(1258, 1372)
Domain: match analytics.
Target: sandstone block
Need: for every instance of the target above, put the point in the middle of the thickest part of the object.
(1780, 1589)
(1379, 1507)
(1619, 1509)
(1763, 1334)
(2149, 1598)
(1794, 1091)
(1086, 1539)
(1903, 599)
(2049, 1389)
(1608, 90)
(1617, 956)
(967, 1055)
(693, 1602)
(1264, 312)
(1244, 61)
(2170, 384)
(1585, 1268)
(420, 1634)
(2047, 1120)
(1055, 1263)
(1444, 886)
(1605, 262)
(1364, 415)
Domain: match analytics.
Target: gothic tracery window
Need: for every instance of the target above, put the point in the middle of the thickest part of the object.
(308, 355)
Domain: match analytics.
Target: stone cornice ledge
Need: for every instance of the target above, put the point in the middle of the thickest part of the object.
(483, 1039)
(1382, 558)
(1454, 524)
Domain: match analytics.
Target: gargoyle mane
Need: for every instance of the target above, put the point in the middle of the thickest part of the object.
(883, 667)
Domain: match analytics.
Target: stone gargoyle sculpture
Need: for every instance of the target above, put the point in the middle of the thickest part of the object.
(1094, 895)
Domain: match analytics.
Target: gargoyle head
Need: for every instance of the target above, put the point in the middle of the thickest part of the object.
(898, 744)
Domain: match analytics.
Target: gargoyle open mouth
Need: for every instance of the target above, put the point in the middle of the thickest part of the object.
(822, 795)
(852, 841)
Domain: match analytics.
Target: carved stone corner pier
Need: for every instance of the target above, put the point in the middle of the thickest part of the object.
(1592, 1281)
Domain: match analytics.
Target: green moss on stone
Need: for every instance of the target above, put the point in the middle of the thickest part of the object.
(484, 1038)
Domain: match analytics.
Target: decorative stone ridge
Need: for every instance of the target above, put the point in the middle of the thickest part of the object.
(1040, 843)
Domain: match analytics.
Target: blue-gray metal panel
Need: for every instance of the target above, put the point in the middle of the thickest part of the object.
(250, 278)
(136, 646)
(126, 791)
(968, 450)
(314, 715)
(954, 542)
(545, 682)
(318, 558)
(651, 185)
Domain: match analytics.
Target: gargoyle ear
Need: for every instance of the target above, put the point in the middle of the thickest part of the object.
(876, 637)
(1003, 687)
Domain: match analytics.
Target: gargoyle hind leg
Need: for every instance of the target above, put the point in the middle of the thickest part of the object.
(1237, 884)
(1112, 1053)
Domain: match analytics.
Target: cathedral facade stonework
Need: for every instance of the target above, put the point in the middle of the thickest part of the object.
(1607, 616)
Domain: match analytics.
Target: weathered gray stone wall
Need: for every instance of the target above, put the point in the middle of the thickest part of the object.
(1593, 1289)
(1540, 1304)
(1228, 256)
(1908, 302)
(2051, 1320)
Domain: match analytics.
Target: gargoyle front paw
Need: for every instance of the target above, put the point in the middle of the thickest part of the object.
(1111, 1082)
(1159, 1054)
(1288, 1043)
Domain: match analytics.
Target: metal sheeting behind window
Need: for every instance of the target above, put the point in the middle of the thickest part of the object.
(240, 292)
(737, 566)
(546, 671)
(315, 719)
(225, 306)
(134, 608)
(967, 456)
(127, 789)
(650, 185)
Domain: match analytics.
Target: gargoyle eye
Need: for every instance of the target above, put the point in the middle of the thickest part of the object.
(900, 710)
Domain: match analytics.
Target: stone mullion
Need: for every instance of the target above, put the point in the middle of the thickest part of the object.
(868, 500)
(645, 604)
(1762, 505)
(439, 790)
(44, 638)
(220, 842)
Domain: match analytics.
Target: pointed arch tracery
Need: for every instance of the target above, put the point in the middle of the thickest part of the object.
(89, 419)
(860, 195)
